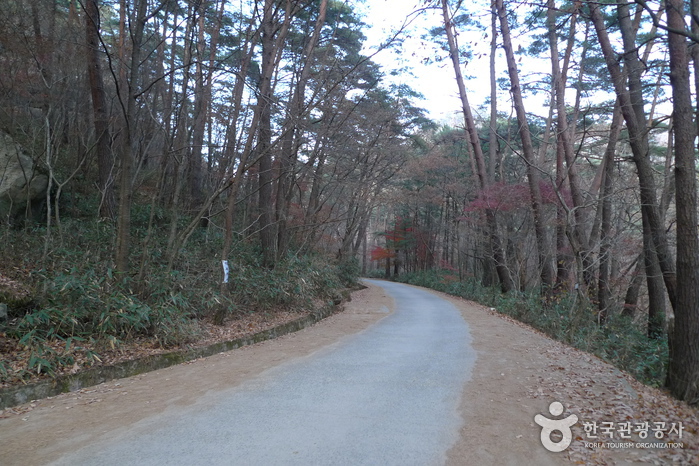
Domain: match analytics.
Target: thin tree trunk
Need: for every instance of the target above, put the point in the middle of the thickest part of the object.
(604, 296)
(247, 50)
(291, 141)
(202, 97)
(489, 270)
(272, 41)
(631, 100)
(128, 103)
(182, 134)
(493, 127)
(656, 253)
(565, 145)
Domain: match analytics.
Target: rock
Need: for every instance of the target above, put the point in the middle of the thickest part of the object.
(20, 181)
(3, 312)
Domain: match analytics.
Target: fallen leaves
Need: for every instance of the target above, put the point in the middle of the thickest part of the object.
(597, 392)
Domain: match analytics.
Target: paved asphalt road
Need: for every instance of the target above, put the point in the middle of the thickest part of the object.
(386, 396)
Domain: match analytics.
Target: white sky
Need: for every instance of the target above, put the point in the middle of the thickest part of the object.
(435, 81)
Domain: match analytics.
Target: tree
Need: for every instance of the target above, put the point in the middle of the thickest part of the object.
(99, 104)
(545, 261)
(564, 147)
(603, 287)
(495, 245)
(128, 108)
(683, 373)
(631, 100)
(293, 133)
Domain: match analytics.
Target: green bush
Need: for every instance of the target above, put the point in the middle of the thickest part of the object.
(83, 305)
(293, 283)
(77, 297)
(348, 272)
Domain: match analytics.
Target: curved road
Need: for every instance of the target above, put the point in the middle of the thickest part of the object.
(386, 396)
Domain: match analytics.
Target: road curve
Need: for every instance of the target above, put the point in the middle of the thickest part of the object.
(386, 396)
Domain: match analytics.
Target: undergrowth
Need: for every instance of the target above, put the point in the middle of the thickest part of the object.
(77, 307)
(620, 341)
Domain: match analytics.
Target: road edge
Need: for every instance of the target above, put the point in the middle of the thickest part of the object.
(17, 395)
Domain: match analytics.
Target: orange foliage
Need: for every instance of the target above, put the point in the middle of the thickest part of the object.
(378, 253)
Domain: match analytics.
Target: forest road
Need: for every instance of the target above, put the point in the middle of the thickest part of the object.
(386, 396)
(403, 376)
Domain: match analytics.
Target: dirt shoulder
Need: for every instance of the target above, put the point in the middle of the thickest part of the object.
(518, 373)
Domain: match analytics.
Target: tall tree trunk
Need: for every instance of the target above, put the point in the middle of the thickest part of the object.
(631, 100)
(202, 92)
(247, 50)
(292, 137)
(565, 151)
(105, 161)
(545, 260)
(202, 105)
(273, 36)
(489, 270)
(264, 136)
(604, 296)
(683, 371)
(182, 133)
(503, 272)
(493, 127)
(128, 104)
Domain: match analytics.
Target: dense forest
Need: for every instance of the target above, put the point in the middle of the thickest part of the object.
(179, 161)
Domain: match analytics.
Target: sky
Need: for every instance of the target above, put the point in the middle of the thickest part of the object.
(435, 81)
(432, 74)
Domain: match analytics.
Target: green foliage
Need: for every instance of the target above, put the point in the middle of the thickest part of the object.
(82, 305)
(620, 342)
(293, 283)
(348, 272)
(73, 295)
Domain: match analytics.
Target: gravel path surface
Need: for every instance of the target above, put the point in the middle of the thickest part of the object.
(388, 396)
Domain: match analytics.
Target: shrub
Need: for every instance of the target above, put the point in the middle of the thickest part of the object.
(74, 295)
(348, 272)
(620, 341)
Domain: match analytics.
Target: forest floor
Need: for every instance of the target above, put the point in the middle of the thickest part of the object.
(518, 373)
(16, 356)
